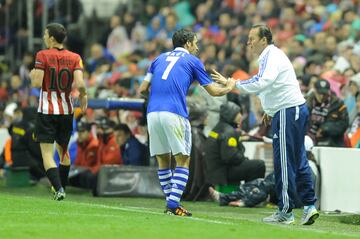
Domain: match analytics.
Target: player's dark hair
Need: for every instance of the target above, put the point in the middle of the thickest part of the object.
(181, 37)
(57, 31)
(264, 31)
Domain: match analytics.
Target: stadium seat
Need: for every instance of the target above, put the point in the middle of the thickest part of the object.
(17, 177)
(227, 188)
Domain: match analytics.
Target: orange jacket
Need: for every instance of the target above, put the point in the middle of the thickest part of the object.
(87, 154)
(109, 153)
(355, 138)
(7, 152)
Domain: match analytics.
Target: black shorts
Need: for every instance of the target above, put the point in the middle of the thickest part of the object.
(50, 128)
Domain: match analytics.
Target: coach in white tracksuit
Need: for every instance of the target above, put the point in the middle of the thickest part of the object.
(278, 89)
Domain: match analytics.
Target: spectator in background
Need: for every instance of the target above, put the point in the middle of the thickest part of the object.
(328, 116)
(350, 99)
(4, 95)
(122, 87)
(250, 194)
(69, 12)
(330, 46)
(226, 162)
(183, 9)
(248, 119)
(311, 68)
(86, 163)
(109, 150)
(129, 22)
(98, 57)
(24, 70)
(354, 130)
(132, 151)
(138, 36)
(131, 119)
(16, 90)
(169, 29)
(151, 9)
(154, 27)
(307, 83)
(25, 152)
(118, 41)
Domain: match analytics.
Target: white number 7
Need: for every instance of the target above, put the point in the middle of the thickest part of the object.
(173, 60)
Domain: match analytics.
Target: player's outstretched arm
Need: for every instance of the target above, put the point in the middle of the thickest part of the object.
(80, 84)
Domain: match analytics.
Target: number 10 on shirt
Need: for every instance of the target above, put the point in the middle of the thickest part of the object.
(172, 60)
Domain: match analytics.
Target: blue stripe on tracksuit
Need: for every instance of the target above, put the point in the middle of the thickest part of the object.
(259, 74)
(292, 171)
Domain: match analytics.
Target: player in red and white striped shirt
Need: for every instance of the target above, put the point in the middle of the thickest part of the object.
(55, 71)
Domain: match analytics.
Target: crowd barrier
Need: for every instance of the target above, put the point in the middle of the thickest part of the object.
(340, 178)
(116, 103)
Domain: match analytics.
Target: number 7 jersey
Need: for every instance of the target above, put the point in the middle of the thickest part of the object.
(172, 74)
(58, 66)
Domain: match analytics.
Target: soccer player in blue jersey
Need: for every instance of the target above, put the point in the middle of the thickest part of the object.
(167, 83)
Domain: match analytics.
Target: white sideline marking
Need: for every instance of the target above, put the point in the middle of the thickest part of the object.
(146, 210)
(138, 210)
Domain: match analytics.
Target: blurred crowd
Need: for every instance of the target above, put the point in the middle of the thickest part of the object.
(321, 38)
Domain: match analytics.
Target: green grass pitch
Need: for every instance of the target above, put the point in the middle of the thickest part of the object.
(30, 213)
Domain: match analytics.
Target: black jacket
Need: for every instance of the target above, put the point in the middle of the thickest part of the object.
(23, 147)
(223, 148)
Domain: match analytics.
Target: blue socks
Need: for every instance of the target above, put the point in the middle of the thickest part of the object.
(178, 185)
(165, 181)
